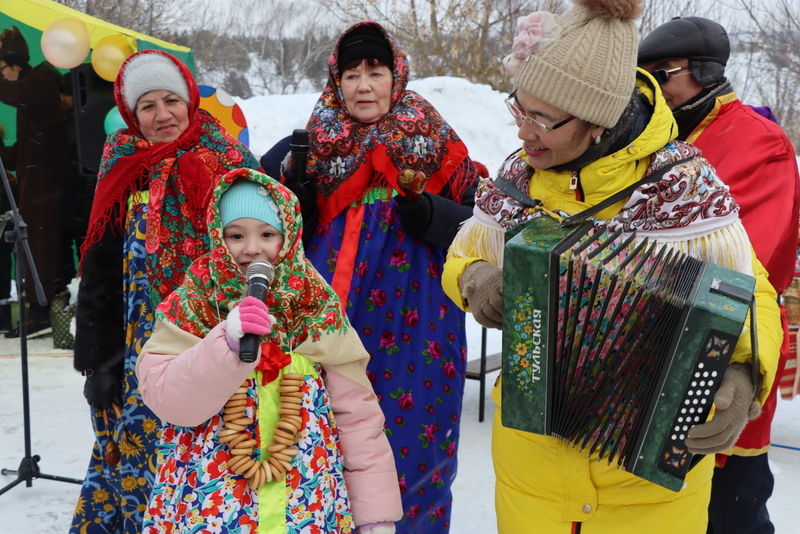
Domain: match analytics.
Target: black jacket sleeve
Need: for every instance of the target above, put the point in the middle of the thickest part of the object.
(436, 218)
(306, 192)
(271, 161)
(99, 317)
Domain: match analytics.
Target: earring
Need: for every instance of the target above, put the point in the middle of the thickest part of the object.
(597, 140)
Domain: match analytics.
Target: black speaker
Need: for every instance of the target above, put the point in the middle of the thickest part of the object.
(93, 97)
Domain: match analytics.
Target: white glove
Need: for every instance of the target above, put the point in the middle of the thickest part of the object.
(377, 528)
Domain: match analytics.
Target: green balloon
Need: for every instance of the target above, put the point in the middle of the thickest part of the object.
(113, 121)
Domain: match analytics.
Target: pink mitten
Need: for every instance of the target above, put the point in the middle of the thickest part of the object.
(251, 316)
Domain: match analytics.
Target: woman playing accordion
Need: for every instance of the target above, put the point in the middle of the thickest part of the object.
(591, 126)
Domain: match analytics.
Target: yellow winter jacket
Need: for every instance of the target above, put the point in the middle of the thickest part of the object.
(543, 484)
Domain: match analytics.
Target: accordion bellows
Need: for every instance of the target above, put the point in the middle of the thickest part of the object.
(614, 344)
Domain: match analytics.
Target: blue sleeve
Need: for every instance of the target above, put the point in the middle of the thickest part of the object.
(271, 161)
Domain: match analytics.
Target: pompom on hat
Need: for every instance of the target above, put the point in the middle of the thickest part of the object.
(589, 70)
(145, 71)
(537, 29)
(249, 199)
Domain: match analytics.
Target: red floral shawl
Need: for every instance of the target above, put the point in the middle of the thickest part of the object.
(181, 172)
(348, 157)
(303, 304)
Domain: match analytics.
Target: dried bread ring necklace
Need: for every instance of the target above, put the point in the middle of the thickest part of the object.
(242, 445)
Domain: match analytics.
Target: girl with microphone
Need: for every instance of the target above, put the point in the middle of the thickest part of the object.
(291, 441)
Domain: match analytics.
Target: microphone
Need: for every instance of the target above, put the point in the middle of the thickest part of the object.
(259, 277)
(299, 147)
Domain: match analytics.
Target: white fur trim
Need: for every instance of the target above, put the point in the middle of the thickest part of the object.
(380, 529)
(234, 324)
(149, 72)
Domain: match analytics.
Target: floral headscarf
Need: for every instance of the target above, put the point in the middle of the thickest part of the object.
(304, 305)
(178, 174)
(347, 156)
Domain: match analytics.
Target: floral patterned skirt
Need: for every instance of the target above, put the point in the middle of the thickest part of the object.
(417, 343)
(196, 492)
(114, 495)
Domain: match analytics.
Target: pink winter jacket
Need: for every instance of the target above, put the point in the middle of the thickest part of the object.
(189, 388)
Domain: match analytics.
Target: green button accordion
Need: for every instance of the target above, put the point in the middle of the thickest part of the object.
(614, 344)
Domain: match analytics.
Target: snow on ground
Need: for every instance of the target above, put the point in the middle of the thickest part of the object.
(60, 426)
(62, 435)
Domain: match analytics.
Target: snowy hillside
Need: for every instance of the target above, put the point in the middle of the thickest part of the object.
(476, 112)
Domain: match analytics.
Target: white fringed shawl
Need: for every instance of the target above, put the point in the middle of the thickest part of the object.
(689, 209)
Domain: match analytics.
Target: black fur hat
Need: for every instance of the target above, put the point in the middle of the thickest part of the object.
(702, 41)
(364, 42)
(12, 44)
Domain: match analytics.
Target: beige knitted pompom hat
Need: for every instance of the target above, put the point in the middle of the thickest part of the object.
(590, 69)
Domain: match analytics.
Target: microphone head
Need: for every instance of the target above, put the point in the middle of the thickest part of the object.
(261, 269)
(299, 140)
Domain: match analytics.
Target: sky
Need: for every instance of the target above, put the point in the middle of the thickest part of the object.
(61, 429)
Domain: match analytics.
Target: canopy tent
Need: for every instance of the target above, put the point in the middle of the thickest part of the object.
(33, 17)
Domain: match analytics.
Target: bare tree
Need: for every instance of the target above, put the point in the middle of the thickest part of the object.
(290, 45)
(771, 45)
(152, 17)
(655, 14)
(280, 46)
(465, 38)
(256, 47)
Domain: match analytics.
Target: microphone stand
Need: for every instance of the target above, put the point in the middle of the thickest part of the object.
(29, 466)
(299, 145)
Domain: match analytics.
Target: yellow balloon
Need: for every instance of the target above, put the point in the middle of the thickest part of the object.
(108, 55)
(65, 43)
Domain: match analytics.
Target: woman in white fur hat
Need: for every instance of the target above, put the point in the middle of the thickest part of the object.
(146, 227)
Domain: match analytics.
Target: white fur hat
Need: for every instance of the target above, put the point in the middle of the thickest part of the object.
(150, 72)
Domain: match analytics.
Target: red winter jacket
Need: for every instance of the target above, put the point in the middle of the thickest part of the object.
(755, 158)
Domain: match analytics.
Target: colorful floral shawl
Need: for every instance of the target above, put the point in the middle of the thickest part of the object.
(688, 207)
(304, 305)
(348, 157)
(179, 176)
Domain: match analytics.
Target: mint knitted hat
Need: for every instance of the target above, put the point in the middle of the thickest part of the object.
(249, 199)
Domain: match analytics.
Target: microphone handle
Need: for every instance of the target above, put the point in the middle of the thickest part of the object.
(300, 159)
(248, 348)
(248, 345)
(300, 171)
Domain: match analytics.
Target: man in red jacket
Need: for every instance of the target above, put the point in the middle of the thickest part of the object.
(752, 154)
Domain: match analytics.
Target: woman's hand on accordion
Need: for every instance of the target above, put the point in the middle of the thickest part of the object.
(735, 406)
(482, 288)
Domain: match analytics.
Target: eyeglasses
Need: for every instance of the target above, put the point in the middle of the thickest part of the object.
(663, 75)
(520, 118)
